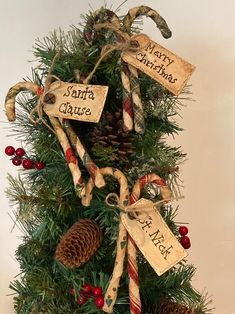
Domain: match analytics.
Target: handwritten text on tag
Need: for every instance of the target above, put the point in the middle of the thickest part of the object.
(161, 64)
(75, 101)
(155, 240)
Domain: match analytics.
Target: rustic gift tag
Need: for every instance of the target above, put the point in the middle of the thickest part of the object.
(75, 101)
(155, 240)
(159, 63)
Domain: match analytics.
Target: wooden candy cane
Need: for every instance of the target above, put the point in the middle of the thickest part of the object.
(91, 167)
(102, 16)
(61, 135)
(146, 11)
(99, 16)
(135, 302)
(166, 33)
(69, 154)
(111, 294)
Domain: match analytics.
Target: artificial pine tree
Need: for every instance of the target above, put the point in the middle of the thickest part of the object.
(69, 167)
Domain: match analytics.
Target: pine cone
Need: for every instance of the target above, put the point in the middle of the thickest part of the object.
(79, 243)
(170, 307)
(110, 134)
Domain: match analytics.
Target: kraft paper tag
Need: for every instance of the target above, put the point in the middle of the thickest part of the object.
(160, 64)
(75, 101)
(155, 240)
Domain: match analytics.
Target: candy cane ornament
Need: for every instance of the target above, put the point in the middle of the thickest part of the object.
(91, 167)
(132, 103)
(166, 33)
(111, 294)
(148, 12)
(135, 303)
(61, 135)
(70, 157)
(101, 16)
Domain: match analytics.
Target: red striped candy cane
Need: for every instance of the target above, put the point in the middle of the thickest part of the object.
(111, 293)
(135, 93)
(91, 167)
(127, 99)
(68, 151)
(99, 17)
(135, 302)
(62, 137)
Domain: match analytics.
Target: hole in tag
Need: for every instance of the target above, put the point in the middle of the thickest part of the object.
(134, 44)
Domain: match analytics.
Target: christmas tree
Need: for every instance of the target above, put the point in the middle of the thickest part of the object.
(95, 128)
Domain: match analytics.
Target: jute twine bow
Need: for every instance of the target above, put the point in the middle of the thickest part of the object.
(138, 210)
(38, 109)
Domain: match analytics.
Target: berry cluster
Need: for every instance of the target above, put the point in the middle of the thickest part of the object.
(18, 158)
(184, 239)
(88, 291)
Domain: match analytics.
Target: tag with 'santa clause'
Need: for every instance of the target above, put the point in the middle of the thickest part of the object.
(75, 101)
(155, 240)
(160, 64)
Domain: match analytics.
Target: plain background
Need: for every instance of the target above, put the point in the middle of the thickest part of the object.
(203, 34)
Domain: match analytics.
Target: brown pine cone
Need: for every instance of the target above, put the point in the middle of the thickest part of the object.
(109, 133)
(170, 307)
(79, 243)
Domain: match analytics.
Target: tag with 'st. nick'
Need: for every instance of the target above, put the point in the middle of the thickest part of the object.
(75, 101)
(155, 240)
(162, 65)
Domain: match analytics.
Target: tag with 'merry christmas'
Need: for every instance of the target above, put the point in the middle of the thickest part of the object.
(155, 240)
(160, 64)
(75, 101)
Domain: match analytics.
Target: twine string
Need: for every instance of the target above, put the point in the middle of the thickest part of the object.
(124, 43)
(38, 109)
(137, 211)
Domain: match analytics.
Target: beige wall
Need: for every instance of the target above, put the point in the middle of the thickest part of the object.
(203, 34)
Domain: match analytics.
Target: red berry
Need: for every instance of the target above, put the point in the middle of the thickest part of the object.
(39, 165)
(9, 150)
(183, 230)
(87, 288)
(72, 291)
(185, 242)
(16, 161)
(97, 291)
(20, 152)
(82, 299)
(27, 163)
(99, 302)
